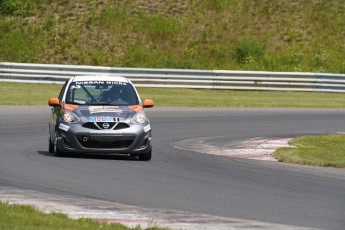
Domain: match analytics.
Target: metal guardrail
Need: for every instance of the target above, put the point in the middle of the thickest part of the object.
(179, 78)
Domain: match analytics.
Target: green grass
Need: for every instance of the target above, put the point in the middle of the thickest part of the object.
(268, 35)
(21, 217)
(232, 98)
(27, 94)
(38, 94)
(325, 150)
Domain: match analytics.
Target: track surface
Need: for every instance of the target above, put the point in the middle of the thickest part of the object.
(187, 181)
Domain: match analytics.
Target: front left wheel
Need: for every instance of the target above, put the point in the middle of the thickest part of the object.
(146, 156)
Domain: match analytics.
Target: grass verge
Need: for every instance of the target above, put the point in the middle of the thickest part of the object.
(324, 150)
(25, 217)
(269, 35)
(38, 94)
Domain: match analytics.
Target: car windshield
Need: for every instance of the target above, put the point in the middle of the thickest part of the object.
(101, 93)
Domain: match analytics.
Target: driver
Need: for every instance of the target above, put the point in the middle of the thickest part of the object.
(112, 95)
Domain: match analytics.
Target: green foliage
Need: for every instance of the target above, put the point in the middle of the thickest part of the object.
(5, 26)
(18, 7)
(50, 23)
(321, 59)
(135, 56)
(10, 6)
(249, 50)
(24, 43)
(113, 16)
(175, 62)
(202, 34)
(216, 5)
(293, 35)
(158, 27)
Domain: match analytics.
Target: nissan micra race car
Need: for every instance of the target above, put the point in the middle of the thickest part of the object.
(99, 114)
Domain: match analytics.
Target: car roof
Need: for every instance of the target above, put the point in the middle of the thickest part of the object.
(100, 78)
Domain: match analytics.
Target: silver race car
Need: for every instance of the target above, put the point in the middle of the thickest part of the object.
(100, 114)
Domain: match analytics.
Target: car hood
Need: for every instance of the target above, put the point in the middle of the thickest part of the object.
(122, 112)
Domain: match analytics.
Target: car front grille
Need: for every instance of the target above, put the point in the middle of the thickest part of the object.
(121, 125)
(106, 142)
(112, 125)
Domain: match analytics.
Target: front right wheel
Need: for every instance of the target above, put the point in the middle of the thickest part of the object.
(51, 146)
(55, 148)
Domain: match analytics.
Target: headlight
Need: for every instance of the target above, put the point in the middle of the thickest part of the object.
(139, 118)
(70, 117)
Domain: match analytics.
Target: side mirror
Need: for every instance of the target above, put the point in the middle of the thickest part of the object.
(148, 103)
(54, 102)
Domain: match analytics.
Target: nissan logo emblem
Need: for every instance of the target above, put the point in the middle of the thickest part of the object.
(105, 125)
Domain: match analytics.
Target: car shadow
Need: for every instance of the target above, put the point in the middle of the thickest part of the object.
(92, 156)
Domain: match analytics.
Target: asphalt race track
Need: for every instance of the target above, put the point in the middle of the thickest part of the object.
(175, 179)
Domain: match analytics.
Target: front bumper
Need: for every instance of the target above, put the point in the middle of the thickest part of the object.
(74, 138)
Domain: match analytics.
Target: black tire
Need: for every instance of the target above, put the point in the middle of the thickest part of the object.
(145, 156)
(51, 146)
(57, 151)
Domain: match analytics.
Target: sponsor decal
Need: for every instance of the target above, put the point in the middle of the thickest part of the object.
(104, 109)
(70, 107)
(100, 83)
(63, 127)
(136, 108)
(75, 87)
(104, 119)
(106, 132)
(147, 128)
